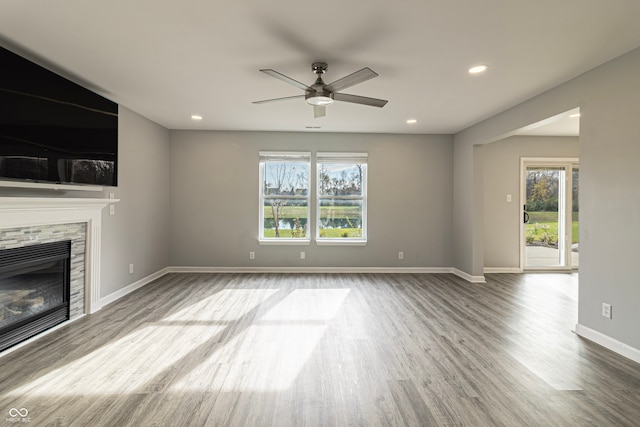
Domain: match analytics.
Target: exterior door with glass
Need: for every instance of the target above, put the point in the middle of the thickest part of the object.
(549, 200)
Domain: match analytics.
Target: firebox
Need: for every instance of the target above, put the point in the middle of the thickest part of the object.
(34, 290)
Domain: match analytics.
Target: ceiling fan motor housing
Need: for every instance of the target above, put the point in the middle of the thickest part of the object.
(319, 96)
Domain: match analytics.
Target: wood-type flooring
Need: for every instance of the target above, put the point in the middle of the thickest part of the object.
(325, 350)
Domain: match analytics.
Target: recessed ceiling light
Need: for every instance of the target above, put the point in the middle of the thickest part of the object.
(575, 115)
(196, 117)
(477, 69)
(412, 121)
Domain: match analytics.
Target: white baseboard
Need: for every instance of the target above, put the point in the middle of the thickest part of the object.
(132, 287)
(414, 270)
(468, 277)
(489, 270)
(608, 342)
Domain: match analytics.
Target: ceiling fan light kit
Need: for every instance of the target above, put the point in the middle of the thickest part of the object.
(320, 94)
(315, 99)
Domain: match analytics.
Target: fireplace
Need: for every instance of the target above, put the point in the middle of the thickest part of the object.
(34, 290)
(25, 221)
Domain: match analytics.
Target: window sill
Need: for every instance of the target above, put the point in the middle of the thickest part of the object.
(341, 242)
(291, 242)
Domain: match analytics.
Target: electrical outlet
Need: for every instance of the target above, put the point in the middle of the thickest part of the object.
(112, 210)
(509, 198)
(303, 255)
(606, 310)
(400, 255)
(130, 268)
(252, 255)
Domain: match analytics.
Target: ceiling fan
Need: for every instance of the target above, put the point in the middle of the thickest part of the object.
(320, 94)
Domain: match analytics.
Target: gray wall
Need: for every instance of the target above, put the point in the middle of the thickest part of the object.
(214, 200)
(609, 193)
(501, 177)
(138, 233)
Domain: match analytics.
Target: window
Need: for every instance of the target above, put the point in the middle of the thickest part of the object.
(284, 197)
(341, 198)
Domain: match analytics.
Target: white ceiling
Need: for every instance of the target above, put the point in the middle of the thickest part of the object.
(168, 59)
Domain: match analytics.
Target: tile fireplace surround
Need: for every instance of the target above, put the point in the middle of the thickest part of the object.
(24, 220)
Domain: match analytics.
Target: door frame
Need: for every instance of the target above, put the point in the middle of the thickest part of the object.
(568, 163)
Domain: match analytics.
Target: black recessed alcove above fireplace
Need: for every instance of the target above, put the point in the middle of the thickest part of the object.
(34, 290)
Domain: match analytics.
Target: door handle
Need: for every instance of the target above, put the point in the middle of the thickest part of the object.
(525, 216)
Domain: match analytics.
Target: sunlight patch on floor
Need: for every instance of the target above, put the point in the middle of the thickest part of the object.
(542, 334)
(134, 363)
(270, 365)
(143, 360)
(308, 304)
(226, 305)
(269, 354)
(543, 361)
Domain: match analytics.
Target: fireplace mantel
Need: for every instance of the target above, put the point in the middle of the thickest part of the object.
(46, 203)
(34, 211)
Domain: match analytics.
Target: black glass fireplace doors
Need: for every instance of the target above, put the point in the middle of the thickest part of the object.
(34, 290)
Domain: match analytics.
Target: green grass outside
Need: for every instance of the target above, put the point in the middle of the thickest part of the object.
(284, 234)
(336, 233)
(330, 233)
(300, 212)
(548, 216)
(547, 222)
(539, 222)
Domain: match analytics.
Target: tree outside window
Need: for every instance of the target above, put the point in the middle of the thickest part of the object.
(341, 196)
(284, 196)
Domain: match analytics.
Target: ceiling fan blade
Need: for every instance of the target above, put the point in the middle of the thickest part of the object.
(286, 79)
(278, 99)
(352, 79)
(319, 111)
(374, 102)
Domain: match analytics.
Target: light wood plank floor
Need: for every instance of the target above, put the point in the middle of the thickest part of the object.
(326, 350)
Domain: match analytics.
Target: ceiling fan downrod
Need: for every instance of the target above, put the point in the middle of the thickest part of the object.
(319, 97)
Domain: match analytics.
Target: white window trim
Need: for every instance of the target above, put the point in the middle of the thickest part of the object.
(284, 242)
(293, 156)
(341, 242)
(347, 158)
